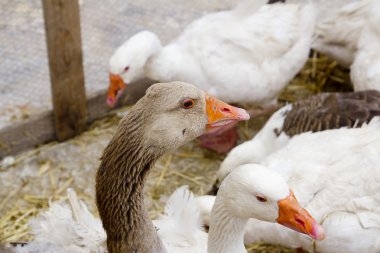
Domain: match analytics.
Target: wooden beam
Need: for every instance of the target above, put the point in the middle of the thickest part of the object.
(62, 26)
(39, 129)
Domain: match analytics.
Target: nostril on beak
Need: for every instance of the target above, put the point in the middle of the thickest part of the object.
(226, 109)
(110, 101)
(300, 222)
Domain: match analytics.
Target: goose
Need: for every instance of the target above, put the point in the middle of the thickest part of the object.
(338, 27)
(317, 113)
(169, 115)
(338, 34)
(335, 174)
(72, 228)
(365, 70)
(350, 34)
(247, 54)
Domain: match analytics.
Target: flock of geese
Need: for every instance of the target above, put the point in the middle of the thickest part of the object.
(313, 168)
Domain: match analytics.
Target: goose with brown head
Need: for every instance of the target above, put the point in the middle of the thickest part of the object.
(168, 116)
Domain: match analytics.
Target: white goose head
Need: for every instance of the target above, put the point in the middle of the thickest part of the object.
(253, 191)
(127, 63)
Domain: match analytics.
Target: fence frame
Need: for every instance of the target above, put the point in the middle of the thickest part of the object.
(40, 129)
(64, 46)
(72, 110)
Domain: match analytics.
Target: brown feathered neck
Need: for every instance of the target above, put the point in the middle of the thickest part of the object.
(120, 180)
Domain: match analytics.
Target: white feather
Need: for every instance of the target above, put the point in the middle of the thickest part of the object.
(365, 70)
(335, 174)
(180, 227)
(69, 226)
(337, 35)
(247, 54)
(72, 228)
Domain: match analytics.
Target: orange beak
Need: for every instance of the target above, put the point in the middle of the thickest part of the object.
(115, 89)
(221, 114)
(293, 216)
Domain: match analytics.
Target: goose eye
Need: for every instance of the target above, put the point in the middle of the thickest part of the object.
(126, 68)
(261, 198)
(188, 103)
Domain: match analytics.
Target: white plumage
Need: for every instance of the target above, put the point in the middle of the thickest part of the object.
(180, 228)
(255, 150)
(350, 34)
(65, 227)
(338, 32)
(73, 228)
(335, 174)
(247, 54)
(365, 70)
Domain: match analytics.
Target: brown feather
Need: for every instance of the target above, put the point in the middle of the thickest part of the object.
(331, 111)
(152, 127)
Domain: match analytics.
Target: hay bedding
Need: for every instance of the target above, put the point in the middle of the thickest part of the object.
(32, 179)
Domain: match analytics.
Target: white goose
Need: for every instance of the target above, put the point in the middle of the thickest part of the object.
(338, 31)
(247, 54)
(316, 113)
(169, 115)
(365, 70)
(262, 194)
(336, 175)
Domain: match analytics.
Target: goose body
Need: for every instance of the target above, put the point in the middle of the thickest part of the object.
(317, 113)
(351, 35)
(335, 174)
(156, 124)
(339, 28)
(247, 54)
(365, 70)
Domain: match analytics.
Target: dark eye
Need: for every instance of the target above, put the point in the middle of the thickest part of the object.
(126, 68)
(188, 103)
(261, 198)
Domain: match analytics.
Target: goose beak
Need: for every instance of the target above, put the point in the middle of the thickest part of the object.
(115, 89)
(293, 216)
(221, 114)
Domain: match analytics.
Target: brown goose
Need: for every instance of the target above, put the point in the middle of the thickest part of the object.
(318, 113)
(168, 116)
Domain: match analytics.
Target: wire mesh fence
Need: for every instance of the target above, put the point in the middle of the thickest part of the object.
(24, 73)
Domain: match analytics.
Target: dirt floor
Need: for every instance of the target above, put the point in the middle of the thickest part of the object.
(31, 179)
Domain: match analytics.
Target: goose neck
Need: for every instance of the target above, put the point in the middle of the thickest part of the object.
(119, 189)
(226, 232)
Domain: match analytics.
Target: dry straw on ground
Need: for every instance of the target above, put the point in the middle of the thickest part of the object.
(43, 174)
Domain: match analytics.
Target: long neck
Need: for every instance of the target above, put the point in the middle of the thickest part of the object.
(119, 189)
(226, 232)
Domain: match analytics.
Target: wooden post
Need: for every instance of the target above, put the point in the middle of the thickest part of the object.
(39, 128)
(62, 26)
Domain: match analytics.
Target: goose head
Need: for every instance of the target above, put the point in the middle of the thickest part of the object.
(254, 191)
(127, 63)
(177, 112)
